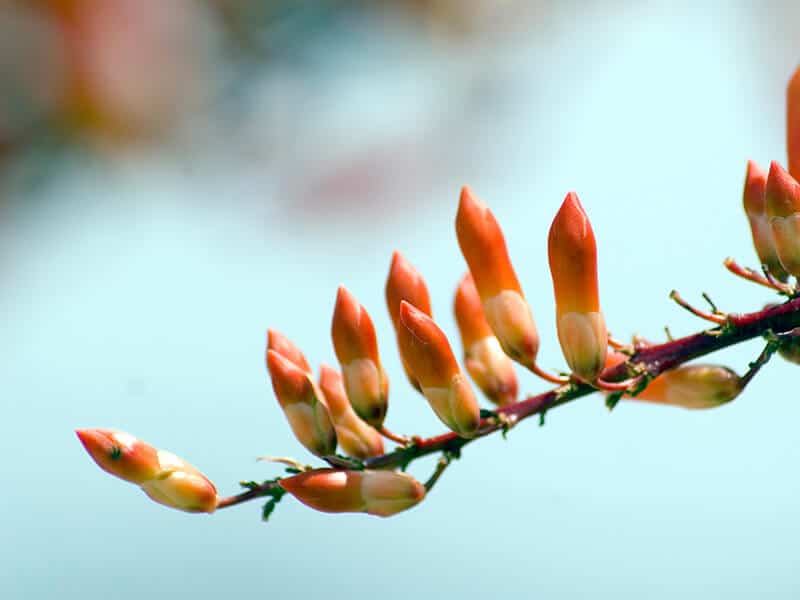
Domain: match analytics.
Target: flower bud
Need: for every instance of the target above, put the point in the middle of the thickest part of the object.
(303, 404)
(428, 354)
(693, 386)
(783, 211)
(484, 248)
(282, 345)
(356, 347)
(405, 283)
(572, 252)
(380, 493)
(356, 438)
(755, 206)
(793, 124)
(490, 368)
(164, 477)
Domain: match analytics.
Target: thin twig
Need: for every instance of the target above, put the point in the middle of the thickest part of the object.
(617, 386)
(539, 372)
(714, 309)
(441, 467)
(403, 440)
(284, 460)
(257, 492)
(756, 277)
(615, 343)
(718, 319)
(754, 367)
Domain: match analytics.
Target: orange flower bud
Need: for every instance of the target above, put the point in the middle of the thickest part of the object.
(490, 368)
(405, 283)
(120, 454)
(793, 124)
(356, 438)
(755, 206)
(282, 345)
(380, 493)
(572, 251)
(356, 347)
(164, 477)
(484, 248)
(303, 404)
(428, 354)
(693, 386)
(783, 211)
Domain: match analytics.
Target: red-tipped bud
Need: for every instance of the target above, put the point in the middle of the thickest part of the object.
(380, 493)
(572, 252)
(282, 345)
(490, 368)
(793, 124)
(484, 248)
(303, 405)
(755, 206)
(356, 438)
(356, 347)
(427, 352)
(693, 386)
(405, 283)
(164, 477)
(783, 211)
(120, 454)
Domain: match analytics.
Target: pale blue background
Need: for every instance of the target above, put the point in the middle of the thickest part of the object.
(136, 292)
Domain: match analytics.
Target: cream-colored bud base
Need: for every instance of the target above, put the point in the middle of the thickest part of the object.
(367, 388)
(511, 321)
(584, 342)
(455, 405)
(492, 370)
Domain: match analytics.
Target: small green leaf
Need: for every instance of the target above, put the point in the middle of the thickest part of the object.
(612, 400)
(269, 507)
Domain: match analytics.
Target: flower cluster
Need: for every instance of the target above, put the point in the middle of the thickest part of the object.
(345, 408)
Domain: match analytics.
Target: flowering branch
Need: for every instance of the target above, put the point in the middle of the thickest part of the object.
(651, 360)
(345, 408)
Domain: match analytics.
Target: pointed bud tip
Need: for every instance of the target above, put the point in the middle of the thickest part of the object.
(397, 259)
(782, 192)
(285, 347)
(755, 183)
(289, 381)
(95, 440)
(571, 201)
(468, 202)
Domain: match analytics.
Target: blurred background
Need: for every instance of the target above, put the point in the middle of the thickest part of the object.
(175, 177)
